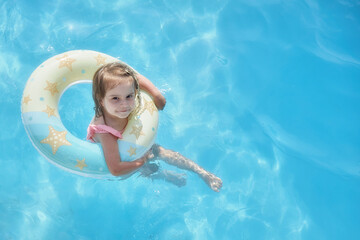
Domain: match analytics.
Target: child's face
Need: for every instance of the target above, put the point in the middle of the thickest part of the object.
(120, 101)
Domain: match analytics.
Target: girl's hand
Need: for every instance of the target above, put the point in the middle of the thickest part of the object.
(148, 155)
(159, 101)
(148, 86)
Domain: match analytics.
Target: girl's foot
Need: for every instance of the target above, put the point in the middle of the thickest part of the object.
(212, 181)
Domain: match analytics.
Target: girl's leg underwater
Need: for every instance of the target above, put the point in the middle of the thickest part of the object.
(152, 171)
(178, 160)
(179, 179)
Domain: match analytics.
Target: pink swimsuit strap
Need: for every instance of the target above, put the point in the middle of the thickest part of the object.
(92, 129)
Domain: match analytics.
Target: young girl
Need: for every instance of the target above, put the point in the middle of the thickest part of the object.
(116, 90)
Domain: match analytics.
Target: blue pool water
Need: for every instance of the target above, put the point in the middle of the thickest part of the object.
(265, 94)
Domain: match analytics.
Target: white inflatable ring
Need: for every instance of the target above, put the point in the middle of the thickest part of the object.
(40, 115)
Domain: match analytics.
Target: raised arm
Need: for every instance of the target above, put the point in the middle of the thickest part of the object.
(112, 156)
(149, 87)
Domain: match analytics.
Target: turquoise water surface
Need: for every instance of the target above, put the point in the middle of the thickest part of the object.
(265, 94)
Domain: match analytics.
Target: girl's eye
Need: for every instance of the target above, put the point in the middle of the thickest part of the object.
(115, 98)
(130, 96)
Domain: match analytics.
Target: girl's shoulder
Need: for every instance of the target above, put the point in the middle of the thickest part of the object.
(98, 121)
(98, 125)
(93, 128)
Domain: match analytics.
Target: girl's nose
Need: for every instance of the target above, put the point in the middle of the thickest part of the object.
(122, 102)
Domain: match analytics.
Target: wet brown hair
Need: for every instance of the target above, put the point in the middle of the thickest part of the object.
(109, 76)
